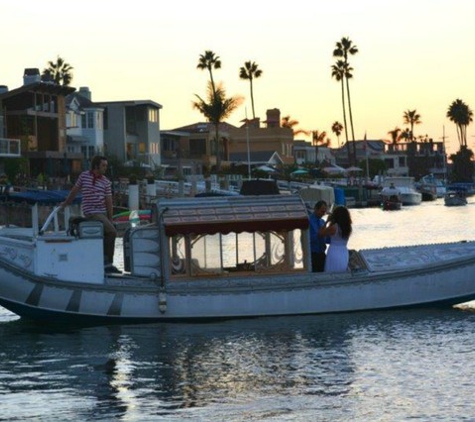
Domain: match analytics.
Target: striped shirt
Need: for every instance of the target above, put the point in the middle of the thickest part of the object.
(94, 190)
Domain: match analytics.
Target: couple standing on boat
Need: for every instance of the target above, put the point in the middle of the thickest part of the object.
(335, 231)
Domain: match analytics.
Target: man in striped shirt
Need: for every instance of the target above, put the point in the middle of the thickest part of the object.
(97, 204)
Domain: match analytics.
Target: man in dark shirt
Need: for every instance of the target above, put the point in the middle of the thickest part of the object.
(318, 244)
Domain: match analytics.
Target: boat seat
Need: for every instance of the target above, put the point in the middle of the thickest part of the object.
(83, 227)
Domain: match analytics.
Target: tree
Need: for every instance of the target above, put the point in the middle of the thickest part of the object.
(411, 118)
(337, 128)
(462, 166)
(462, 116)
(209, 61)
(290, 123)
(345, 48)
(395, 135)
(250, 72)
(338, 72)
(319, 139)
(216, 108)
(59, 71)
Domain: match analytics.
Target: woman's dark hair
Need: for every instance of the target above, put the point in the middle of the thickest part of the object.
(96, 161)
(341, 216)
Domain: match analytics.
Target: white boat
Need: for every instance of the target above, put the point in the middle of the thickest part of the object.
(406, 186)
(222, 257)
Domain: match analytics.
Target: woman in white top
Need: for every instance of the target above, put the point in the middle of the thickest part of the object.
(338, 227)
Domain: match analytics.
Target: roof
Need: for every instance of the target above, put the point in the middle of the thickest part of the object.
(204, 127)
(20, 98)
(236, 214)
(128, 103)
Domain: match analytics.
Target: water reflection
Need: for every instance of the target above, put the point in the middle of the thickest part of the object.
(160, 369)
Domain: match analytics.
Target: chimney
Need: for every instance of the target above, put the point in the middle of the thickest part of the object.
(85, 92)
(31, 76)
(3, 89)
(273, 118)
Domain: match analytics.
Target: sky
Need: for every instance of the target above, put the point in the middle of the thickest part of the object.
(412, 55)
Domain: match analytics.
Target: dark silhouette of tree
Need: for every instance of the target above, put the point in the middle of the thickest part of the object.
(395, 135)
(337, 128)
(290, 123)
(216, 108)
(209, 61)
(250, 71)
(462, 116)
(338, 72)
(59, 71)
(345, 48)
(411, 118)
(319, 139)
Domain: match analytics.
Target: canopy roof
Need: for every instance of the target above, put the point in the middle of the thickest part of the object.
(233, 214)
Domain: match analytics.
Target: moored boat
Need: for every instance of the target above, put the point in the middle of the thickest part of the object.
(455, 198)
(390, 199)
(406, 186)
(222, 257)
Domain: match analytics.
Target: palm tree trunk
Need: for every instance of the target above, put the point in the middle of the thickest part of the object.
(351, 121)
(218, 148)
(252, 100)
(344, 121)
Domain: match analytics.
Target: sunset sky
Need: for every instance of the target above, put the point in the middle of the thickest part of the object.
(414, 54)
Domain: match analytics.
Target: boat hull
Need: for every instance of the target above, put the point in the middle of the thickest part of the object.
(124, 299)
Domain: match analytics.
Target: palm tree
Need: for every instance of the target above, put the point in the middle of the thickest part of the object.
(395, 137)
(59, 71)
(290, 123)
(345, 48)
(405, 135)
(209, 61)
(411, 118)
(338, 72)
(250, 72)
(337, 128)
(461, 115)
(319, 139)
(216, 108)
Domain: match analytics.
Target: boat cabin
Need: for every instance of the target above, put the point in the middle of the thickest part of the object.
(224, 236)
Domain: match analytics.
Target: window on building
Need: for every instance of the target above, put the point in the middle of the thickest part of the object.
(154, 148)
(98, 120)
(90, 120)
(197, 148)
(105, 119)
(152, 115)
(402, 161)
(389, 163)
(84, 121)
(130, 120)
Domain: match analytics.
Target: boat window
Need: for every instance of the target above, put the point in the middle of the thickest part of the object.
(225, 254)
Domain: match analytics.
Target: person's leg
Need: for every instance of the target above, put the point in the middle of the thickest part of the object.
(110, 233)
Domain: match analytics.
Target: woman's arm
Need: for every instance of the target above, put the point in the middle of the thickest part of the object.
(327, 230)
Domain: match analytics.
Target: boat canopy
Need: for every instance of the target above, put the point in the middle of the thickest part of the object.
(236, 214)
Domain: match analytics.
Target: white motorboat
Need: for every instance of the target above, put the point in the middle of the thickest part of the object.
(218, 257)
(406, 187)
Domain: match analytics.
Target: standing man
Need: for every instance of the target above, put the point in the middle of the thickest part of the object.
(318, 244)
(97, 204)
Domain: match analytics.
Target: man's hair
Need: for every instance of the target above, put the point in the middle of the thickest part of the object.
(96, 161)
(320, 204)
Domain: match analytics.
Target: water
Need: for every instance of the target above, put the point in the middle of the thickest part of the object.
(374, 366)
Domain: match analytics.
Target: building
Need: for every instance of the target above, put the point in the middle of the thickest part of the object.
(132, 131)
(84, 125)
(35, 113)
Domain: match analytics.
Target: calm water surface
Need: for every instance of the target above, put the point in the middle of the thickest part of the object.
(375, 366)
